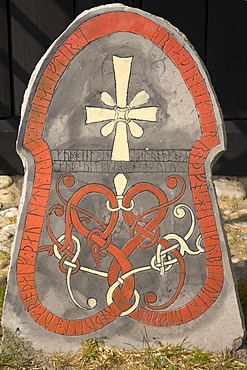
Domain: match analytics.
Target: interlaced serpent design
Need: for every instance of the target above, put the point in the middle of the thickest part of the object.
(144, 234)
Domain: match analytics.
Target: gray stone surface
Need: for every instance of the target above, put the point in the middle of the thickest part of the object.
(119, 234)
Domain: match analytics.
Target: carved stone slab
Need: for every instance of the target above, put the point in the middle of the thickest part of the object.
(119, 235)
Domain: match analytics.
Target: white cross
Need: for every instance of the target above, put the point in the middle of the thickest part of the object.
(121, 114)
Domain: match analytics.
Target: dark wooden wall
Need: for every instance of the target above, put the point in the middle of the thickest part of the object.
(216, 28)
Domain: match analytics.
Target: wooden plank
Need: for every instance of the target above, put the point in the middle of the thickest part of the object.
(227, 54)
(80, 5)
(34, 26)
(233, 161)
(188, 16)
(5, 85)
(10, 162)
(231, 164)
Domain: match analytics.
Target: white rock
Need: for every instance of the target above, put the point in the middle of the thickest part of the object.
(231, 189)
(240, 223)
(6, 196)
(5, 181)
(10, 212)
(227, 212)
(4, 273)
(4, 236)
(3, 221)
(11, 229)
(5, 247)
(237, 214)
(235, 260)
(3, 263)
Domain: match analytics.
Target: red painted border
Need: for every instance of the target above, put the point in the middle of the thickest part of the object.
(91, 30)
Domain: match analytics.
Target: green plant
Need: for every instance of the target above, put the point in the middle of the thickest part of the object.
(171, 351)
(20, 355)
(93, 355)
(62, 361)
(91, 350)
(198, 359)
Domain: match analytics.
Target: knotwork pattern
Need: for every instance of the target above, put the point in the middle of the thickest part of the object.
(144, 233)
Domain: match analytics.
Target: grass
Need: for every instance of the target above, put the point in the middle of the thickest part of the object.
(2, 293)
(94, 355)
(19, 354)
